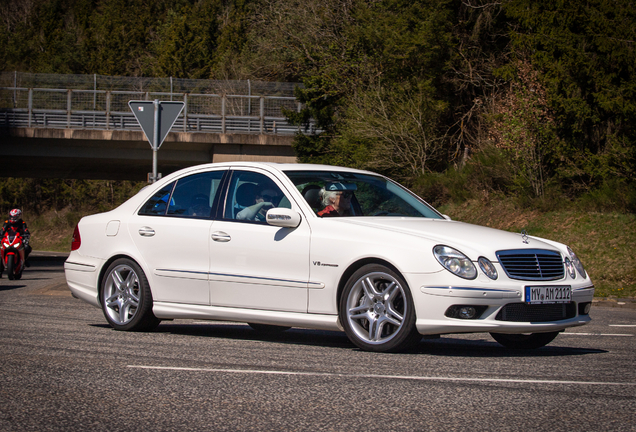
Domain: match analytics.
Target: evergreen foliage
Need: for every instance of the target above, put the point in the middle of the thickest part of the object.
(456, 98)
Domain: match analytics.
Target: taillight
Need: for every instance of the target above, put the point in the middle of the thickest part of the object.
(76, 241)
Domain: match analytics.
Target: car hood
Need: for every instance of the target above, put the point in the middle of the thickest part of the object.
(472, 240)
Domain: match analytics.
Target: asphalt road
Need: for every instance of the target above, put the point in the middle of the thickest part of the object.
(63, 368)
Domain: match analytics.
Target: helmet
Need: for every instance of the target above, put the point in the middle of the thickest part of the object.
(15, 215)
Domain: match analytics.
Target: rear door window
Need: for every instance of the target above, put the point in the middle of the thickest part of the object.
(192, 196)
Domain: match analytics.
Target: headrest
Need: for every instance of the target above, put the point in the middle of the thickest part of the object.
(246, 194)
(311, 194)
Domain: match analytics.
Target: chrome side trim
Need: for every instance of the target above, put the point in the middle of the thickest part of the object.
(79, 264)
(584, 288)
(224, 277)
(184, 274)
(470, 292)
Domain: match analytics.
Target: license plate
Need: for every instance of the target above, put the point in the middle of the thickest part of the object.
(548, 294)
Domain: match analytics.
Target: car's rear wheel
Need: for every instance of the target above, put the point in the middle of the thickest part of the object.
(376, 310)
(268, 328)
(126, 298)
(524, 341)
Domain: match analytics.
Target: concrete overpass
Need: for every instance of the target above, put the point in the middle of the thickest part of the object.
(126, 155)
(92, 134)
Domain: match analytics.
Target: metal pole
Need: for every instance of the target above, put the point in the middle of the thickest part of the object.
(262, 115)
(30, 106)
(155, 141)
(68, 108)
(15, 89)
(249, 99)
(249, 105)
(94, 100)
(108, 110)
(94, 92)
(223, 114)
(185, 112)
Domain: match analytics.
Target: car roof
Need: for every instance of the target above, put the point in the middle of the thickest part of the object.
(275, 166)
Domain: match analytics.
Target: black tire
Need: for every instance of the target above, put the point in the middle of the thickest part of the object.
(126, 297)
(524, 341)
(268, 328)
(10, 267)
(377, 312)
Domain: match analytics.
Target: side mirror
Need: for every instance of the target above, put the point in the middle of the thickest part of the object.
(447, 217)
(283, 217)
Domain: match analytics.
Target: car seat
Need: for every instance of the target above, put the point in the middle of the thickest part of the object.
(311, 193)
(245, 197)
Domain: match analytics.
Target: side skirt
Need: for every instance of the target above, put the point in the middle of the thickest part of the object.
(163, 310)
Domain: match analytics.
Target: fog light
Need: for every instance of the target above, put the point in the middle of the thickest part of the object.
(467, 312)
(584, 308)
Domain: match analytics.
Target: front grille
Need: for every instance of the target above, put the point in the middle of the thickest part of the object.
(523, 312)
(532, 264)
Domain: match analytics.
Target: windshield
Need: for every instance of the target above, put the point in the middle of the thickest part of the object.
(334, 193)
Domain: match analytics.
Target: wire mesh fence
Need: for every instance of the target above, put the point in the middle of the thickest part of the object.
(146, 84)
(101, 102)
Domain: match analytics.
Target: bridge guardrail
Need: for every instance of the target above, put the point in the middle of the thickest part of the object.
(108, 110)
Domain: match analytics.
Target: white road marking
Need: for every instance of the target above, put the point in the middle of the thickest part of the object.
(401, 377)
(622, 325)
(596, 334)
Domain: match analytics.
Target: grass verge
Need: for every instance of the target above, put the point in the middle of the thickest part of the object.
(603, 241)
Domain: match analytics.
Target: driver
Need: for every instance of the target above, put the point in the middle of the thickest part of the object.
(16, 224)
(265, 200)
(336, 197)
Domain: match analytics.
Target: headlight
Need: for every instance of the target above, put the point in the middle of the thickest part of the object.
(577, 263)
(455, 262)
(487, 267)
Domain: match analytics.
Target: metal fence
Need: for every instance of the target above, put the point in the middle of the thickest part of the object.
(105, 106)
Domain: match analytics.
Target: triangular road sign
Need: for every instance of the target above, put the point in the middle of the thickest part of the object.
(144, 112)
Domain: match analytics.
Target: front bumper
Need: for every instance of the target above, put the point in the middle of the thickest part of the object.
(432, 301)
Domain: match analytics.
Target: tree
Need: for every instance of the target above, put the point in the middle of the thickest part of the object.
(585, 54)
(188, 41)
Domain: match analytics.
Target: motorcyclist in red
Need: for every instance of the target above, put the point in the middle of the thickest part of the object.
(16, 224)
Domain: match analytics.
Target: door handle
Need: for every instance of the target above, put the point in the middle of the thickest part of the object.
(146, 231)
(220, 236)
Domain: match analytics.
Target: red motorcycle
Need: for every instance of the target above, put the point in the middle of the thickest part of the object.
(10, 247)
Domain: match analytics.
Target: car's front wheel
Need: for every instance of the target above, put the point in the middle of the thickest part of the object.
(524, 341)
(126, 298)
(376, 310)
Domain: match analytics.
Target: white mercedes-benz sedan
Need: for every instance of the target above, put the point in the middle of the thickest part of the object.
(321, 247)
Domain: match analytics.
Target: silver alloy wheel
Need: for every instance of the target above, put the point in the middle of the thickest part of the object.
(121, 294)
(376, 307)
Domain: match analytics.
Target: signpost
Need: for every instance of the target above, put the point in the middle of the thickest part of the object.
(156, 118)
